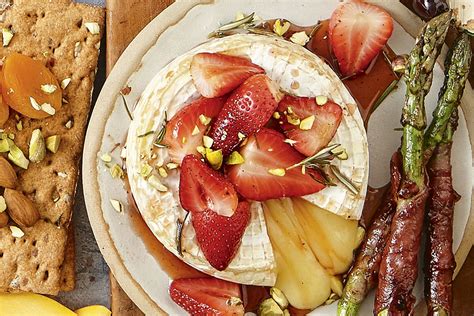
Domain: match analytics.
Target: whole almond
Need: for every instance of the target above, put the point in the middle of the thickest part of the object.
(7, 174)
(20, 208)
(3, 219)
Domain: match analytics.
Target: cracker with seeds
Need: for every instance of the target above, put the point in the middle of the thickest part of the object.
(65, 36)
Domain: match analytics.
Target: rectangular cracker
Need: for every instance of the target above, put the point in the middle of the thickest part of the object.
(48, 31)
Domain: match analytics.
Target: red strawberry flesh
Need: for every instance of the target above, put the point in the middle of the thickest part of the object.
(357, 33)
(219, 236)
(246, 110)
(265, 151)
(207, 296)
(179, 130)
(327, 118)
(203, 189)
(216, 74)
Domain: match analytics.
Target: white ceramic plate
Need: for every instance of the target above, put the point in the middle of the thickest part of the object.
(180, 28)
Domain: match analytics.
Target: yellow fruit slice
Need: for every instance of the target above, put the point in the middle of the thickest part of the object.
(28, 304)
(93, 310)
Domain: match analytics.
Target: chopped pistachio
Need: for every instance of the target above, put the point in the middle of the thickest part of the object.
(35, 104)
(93, 27)
(11, 136)
(321, 100)
(307, 123)
(52, 143)
(279, 297)
(239, 16)
(116, 171)
(68, 124)
(204, 119)
(7, 36)
(241, 136)
(48, 88)
(290, 110)
(207, 141)
(195, 130)
(16, 232)
(280, 172)
(106, 157)
(65, 83)
(146, 170)
(293, 119)
(290, 141)
(156, 183)
(201, 150)
(215, 158)
(4, 146)
(300, 38)
(19, 125)
(276, 115)
(162, 172)
(17, 157)
(269, 308)
(116, 205)
(37, 149)
(279, 28)
(3, 205)
(171, 165)
(17, 117)
(48, 108)
(235, 158)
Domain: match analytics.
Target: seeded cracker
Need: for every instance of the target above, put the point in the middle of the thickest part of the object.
(53, 32)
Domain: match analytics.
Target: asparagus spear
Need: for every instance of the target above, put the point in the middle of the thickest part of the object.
(399, 264)
(440, 263)
(456, 72)
(418, 77)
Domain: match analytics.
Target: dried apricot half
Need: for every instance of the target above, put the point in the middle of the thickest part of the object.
(4, 112)
(27, 85)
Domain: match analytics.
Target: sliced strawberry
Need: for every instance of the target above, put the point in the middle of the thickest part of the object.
(180, 129)
(246, 110)
(219, 236)
(202, 188)
(215, 74)
(265, 154)
(327, 118)
(357, 33)
(207, 296)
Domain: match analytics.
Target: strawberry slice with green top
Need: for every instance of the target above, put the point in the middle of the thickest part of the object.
(357, 33)
(264, 174)
(207, 296)
(185, 130)
(248, 108)
(216, 74)
(310, 123)
(219, 220)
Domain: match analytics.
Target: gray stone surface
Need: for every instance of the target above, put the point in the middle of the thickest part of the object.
(92, 273)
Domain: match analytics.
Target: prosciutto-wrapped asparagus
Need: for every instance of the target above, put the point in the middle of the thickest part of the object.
(364, 273)
(440, 264)
(399, 264)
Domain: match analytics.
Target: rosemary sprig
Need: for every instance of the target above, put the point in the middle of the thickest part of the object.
(222, 30)
(179, 233)
(126, 106)
(161, 134)
(146, 134)
(322, 159)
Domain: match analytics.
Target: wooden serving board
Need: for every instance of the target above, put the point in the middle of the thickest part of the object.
(125, 19)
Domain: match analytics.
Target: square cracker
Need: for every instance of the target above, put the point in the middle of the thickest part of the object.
(50, 31)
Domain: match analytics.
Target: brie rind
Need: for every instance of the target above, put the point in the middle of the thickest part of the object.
(298, 72)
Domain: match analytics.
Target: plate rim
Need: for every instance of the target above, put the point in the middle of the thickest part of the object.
(127, 64)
